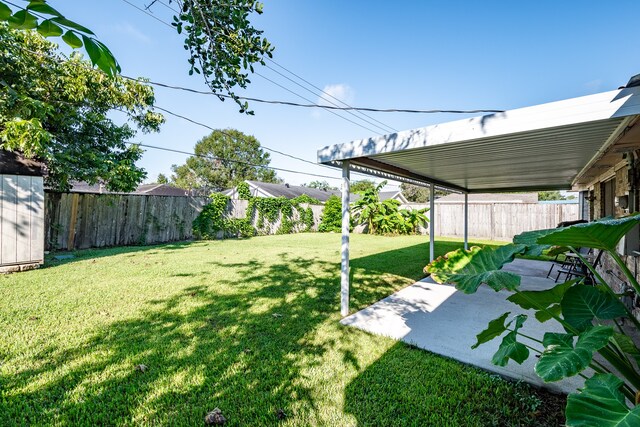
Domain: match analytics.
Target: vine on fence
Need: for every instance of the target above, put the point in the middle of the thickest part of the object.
(211, 222)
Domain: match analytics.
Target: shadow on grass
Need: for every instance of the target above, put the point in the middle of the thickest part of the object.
(241, 350)
(243, 345)
(95, 253)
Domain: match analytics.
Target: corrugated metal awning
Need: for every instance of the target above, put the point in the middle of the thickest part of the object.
(543, 147)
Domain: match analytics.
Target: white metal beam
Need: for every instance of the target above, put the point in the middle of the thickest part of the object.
(466, 221)
(432, 226)
(344, 273)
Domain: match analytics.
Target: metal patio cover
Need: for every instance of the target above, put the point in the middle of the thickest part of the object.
(543, 147)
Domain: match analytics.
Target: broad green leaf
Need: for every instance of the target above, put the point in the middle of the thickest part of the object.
(70, 24)
(530, 238)
(627, 345)
(42, 7)
(23, 20)
(598, 235)
(48, 28)
(470, 269)
(510, 348)
(72, 40)
(495, 328)
(548, 314)
(581, 304)
(108, 60)
(601, 403)
(561, 359)
(5, 12)
(93, 49)
(540, 299)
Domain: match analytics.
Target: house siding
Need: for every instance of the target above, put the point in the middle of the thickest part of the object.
(625, 176)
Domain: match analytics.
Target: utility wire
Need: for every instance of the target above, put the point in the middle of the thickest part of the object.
(385, 129)
(261, 146)
(221, 159)
(328, 107)
(146, 12)
(232, 137)
(210, 34)
(326, 94)
(311, 105)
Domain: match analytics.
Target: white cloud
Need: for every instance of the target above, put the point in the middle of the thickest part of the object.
(332, 93)
(126, 29)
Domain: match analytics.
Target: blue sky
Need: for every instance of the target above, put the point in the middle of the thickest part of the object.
(405, 54)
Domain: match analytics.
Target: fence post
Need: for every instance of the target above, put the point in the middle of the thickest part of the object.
(72, 221)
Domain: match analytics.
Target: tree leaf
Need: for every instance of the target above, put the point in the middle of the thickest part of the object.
(42, 7)
(469, 269)
(495, 328)
(601, 403)
(5, 12)
(581, 304)
(627, 345)
(48, 28)
(23, 20)
(510, 348)
(603, 234)
(72, 40)
(536, 299)
(70, 24)
(561, 359)
(94, 51)
(548, 314)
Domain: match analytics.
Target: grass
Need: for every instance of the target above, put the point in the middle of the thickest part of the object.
(249, 326)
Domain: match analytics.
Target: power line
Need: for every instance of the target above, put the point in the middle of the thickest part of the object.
(232, 137)
(307, 99)
(327, 94)
(311, 104)
(329, 107)
(155, 147)
(385, 129)
(146, 12)
(262, 146)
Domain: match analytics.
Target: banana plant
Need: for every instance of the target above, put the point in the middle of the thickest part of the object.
(591, 315)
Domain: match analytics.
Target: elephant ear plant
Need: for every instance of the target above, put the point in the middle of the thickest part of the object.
(591, 315)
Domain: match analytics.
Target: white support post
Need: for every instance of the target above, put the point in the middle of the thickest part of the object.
(432, 226)
(466, 221)
(344, 275)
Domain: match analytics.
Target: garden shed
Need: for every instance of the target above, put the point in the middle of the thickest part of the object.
(21, 213)
(562, 145)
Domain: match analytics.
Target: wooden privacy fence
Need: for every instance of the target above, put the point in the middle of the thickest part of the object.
(79, 221)
(500, 221)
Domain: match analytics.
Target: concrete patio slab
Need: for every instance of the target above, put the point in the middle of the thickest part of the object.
(440, 319)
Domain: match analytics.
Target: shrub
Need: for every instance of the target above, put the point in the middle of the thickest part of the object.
(331, 219)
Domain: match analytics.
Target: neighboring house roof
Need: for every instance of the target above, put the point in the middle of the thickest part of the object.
(142, 190)
(160, 190)
(397, 195)
(15, 164)
(491, 198)
(291, 191)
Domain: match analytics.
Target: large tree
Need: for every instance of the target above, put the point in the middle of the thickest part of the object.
(418, 194)
(224, 159)
(59, 110)
(320, 185)
(223, 45)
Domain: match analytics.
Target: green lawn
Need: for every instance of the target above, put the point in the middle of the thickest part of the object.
(249, 326)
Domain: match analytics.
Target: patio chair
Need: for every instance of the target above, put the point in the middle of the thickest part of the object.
(576, 268)
(565, 263)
